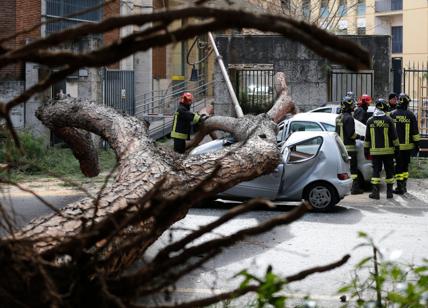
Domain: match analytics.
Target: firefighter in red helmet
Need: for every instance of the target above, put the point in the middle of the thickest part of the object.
(360, 113)
(183, 119)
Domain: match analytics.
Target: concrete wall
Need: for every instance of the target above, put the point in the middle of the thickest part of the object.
(9, 90)
(307, 73)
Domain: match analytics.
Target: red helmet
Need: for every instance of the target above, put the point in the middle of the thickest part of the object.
(186, 98)
(365, 100)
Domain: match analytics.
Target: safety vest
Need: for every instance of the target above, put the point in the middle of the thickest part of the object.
(183, 118)
(407, 128)
(345, 128)
(381, 136)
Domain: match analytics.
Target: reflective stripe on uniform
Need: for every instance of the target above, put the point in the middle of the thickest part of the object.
(375, 181)
(354, 176)
(407, 133)
(416, 137)
(405, 175)
(399, 177)
(395, 142)
(366, 144)
(196, 118)
(409, 146)
(351, 148)
(385, 136)
(373, 137)
(381, 151)
(175, 134)
(390, 181)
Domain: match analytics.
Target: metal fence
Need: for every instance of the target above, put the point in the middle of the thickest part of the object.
(118, 90)
(415, 84)
(343, 81)
(254, 89)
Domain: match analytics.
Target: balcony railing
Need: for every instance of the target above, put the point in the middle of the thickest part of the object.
(382, 6)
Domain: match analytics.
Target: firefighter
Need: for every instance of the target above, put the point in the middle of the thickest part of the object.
(183, 119)
(381, 143)
(392, 102)
(408, 136)
(345, 128)
(360, 113)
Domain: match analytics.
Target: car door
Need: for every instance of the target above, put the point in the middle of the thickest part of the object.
(299, 161)
(265, 186)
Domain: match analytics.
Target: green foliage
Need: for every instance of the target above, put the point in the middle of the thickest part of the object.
(379, 282)
(418, 168)
(38, 160)
(269, 286)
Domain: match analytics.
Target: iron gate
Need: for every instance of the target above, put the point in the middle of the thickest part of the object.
(118, 90)
(415, 84)
(254, 88)
(343, 81)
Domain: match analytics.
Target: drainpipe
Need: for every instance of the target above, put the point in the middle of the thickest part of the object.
(219, 59)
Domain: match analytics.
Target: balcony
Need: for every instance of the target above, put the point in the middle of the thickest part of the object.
(388, 6)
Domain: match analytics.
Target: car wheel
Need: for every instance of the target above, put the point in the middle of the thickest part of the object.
(321, 196)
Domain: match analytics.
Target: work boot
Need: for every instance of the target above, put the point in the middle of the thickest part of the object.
(389, 194)
(400, 188)
(356, 189)
(405, 185)
(375, 192)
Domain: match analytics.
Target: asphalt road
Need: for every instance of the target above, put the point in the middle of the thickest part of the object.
(316, 239)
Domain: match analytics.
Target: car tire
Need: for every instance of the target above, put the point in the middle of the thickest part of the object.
(321, 196)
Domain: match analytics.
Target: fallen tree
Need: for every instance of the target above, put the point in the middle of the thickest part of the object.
(78, 255)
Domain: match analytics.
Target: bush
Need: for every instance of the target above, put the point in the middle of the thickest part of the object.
(33, 150)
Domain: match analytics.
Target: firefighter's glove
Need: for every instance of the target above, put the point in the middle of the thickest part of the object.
(367, 153)
(204, 117)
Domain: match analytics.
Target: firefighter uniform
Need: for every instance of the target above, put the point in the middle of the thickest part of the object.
(345, 128)
(408, 136)
(381, 142)
(183, 119)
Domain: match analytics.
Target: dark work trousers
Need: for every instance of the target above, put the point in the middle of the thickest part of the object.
(402, 167)
(354, 165)
(388, 163)
(179, 145)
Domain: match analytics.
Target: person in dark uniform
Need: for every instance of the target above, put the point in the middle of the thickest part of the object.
(392, 102)
(345, 128)
(381, 143)
(183, 119)
(360, 113)
(408, 136)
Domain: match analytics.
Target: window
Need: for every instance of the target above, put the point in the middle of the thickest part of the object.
(324, 12)
(329, 127)
(361, 8)
(301, 126)
(361, 30)
(396, 5)
(342, 10)
(306, 9)
(397, 39)
(60, 8)
(305, 150)
(285, 4)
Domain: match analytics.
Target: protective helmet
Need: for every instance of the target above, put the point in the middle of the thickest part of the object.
(186, 98)
(403, 100)
(347, 103)
(381, 104)
(365, 100)
(351, 94)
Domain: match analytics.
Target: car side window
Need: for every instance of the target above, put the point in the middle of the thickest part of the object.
(301, 126)
(328, 127)
(304, 150)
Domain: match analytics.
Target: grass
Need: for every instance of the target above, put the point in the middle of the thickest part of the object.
(56, 162)
(418, 168)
